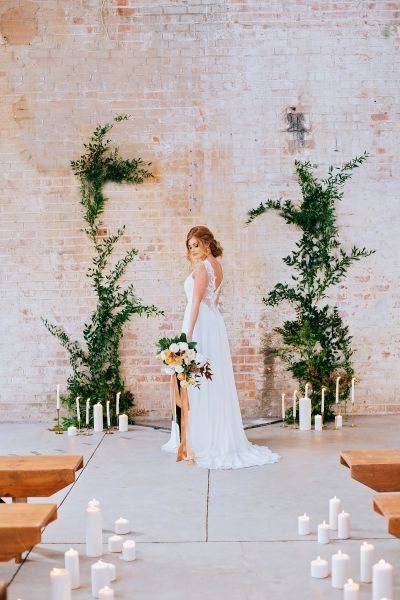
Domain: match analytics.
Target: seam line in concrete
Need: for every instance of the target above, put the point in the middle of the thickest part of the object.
(208, 498)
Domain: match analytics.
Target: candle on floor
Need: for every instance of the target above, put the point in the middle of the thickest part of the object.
(78, 410)
(303, 525)
(123, 422)
(318, 422)
(94, 531)
(121, 526)
(106, 593)
(94, 502)
(117, 403)
(112, 571)
(58, 397)
(319, 568)
(340, 569)
(337, 390)
(129, 550)
(87, 411)
(334, 509)
(294, 404)
(283, 407)
(98, 417)
(72, 430)
(343, 525)
(115, 543)
(100, 577)
(60, 584)
(382, 580)
(323, 533)
(71, 558)
(305, 414)
(351, 590)
(366, 562)
(108, 413)
(338, 422)
(323, 400)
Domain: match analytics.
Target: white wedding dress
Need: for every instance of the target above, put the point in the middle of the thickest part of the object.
(215, 430)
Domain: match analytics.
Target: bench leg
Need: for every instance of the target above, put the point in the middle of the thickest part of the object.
(20, 499)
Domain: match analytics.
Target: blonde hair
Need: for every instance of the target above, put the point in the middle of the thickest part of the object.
(206, 240)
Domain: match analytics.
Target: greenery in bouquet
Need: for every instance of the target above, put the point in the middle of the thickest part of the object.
(181, 358)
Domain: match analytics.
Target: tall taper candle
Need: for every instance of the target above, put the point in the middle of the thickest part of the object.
(108, 413)
(352, 390)
(337, 390)
(78, 410)
(98, 417)
(71, 558)
(283, 407)
(294, 404)
(94, 531)
(58, 397)
(323, 400)
(117, 403)
(334, 509)
(366, 562)
(87, 411)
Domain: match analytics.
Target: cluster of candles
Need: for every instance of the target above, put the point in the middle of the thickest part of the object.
(304, 406)
(98, 419)
(102, 573)
(380, 573)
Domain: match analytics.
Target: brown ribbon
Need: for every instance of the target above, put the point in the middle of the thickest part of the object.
(181, 399)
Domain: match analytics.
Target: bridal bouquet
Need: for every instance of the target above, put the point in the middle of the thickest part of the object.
(180, 357)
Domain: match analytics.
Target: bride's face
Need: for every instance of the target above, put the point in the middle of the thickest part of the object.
(196, 250)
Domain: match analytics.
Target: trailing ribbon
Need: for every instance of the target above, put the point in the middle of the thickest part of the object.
(180, 399)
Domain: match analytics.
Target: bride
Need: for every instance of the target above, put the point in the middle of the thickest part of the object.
(215, 436)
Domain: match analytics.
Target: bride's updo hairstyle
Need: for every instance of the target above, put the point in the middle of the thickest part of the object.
(206, 240)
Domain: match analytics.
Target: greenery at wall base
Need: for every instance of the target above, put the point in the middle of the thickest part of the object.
(96, 364)
(317, 346)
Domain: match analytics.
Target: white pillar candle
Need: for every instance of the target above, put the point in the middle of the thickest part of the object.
(283, 407)
(60, 584)
(108, 413)
(382, 580)
(319, 568)
(123, 422)
(323, 400)
(94, 531)
(343, 525)
(129, 550)
(112, 571)
(337, 390)
(323, 533)
(58, 397)
(318, 423)
(351, 590)
(72, 430)
(338, 422)
(78, 410)
(71, 558)
(87, 411)
(115, 543)
(106, 593)
(117, 403)
(366, 562)
(100, 577)
(334, 509)
(340, 569)
(121, 526)
(304, 414)
(98, 417)
(294, 404)
(303, 525)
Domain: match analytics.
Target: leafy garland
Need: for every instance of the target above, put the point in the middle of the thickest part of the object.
(96, 369)
(317, 345)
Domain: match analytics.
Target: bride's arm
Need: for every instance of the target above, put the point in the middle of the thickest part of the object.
(199, 288)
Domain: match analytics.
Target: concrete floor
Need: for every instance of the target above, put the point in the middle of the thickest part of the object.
(207, 534)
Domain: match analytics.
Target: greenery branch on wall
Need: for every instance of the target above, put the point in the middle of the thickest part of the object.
(317, 346)
(96, 364)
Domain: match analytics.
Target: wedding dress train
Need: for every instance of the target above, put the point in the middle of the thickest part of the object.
(215, 430)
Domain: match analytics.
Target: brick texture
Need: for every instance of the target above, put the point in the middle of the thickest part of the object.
(209, 86)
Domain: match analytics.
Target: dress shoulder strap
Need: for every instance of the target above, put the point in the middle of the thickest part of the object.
(210, 273)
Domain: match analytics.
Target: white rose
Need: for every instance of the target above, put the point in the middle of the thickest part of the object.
(187, 360)
(174, 348)
(191, 354)
(169, 370)
(178, 369)
(183, 346)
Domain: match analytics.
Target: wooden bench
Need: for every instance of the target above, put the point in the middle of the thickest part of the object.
(388, 505)
(377, 469)
(3, 591)
(22, 477)
(21, 527)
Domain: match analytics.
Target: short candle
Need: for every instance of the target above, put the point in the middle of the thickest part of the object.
(303, 524)
(319, 568)
(106, 593)
(351, 590)
(323, 533)
(121, 526)
(115, 543)
(129, 550)
(343, 525)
